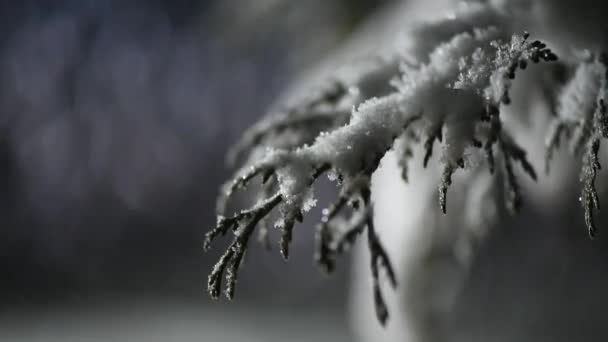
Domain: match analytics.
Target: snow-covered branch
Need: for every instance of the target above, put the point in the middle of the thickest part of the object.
(448, 89)
(582, 118)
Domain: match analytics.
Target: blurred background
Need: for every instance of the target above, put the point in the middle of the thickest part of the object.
(115, 119)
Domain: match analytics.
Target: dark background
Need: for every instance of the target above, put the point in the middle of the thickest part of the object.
(114, 118)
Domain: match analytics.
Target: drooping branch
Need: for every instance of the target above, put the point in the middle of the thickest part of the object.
(378, 258)
(336, 234)
(242, 225)
(437, 101)
(582, 118)
(446, 181)
(589, 198)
